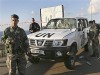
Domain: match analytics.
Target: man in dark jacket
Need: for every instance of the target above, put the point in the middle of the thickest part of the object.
(34, 27)
(97, 25)
(93, 39)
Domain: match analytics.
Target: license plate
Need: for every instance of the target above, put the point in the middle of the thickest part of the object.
(41, 52)
(34, 51)
(37, 51)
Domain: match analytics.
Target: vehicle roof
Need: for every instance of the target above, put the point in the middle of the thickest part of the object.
(72, 17)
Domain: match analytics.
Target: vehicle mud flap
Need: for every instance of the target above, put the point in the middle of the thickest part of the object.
(69, 61)
(33, 59)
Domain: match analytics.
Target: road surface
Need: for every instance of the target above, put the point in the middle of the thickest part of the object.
(47, 67)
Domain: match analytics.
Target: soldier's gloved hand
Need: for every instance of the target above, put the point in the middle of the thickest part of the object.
(7, 41)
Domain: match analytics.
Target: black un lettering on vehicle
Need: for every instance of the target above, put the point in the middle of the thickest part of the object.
(45, 34)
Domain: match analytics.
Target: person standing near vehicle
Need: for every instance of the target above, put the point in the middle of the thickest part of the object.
(16, 45)
(98, 28)
(93, 39)
(34, 27)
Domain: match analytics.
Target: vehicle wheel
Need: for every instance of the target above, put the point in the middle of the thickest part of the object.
(86, 47)
(33, 59)
(69, 60)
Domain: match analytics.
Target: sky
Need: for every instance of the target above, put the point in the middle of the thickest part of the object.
(26, 9)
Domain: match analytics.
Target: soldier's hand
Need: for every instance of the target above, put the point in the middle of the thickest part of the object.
(10, 41)
(7, 41)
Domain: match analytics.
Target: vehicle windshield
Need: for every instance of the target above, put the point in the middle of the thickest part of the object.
(66, 23)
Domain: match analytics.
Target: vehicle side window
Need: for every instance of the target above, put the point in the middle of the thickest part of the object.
(70, 23)
(80, 24)
(86, 22)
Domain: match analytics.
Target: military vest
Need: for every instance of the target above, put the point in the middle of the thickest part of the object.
(15, 36)
(93, 32)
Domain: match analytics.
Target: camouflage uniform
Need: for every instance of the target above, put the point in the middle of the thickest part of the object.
(93, 40)
(16, 45)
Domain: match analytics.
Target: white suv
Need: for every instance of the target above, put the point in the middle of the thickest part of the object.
(61, 38)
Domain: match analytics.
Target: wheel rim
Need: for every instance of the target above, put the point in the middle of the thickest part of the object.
(72, 61)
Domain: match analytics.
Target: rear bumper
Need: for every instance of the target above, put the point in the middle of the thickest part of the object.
(49, 52)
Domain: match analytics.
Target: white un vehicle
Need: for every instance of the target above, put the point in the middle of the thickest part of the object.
(61, 38)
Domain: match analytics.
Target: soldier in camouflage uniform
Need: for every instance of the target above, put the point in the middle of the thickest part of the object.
(93, 39)
(16, 45)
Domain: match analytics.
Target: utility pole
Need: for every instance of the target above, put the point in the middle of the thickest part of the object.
(91, 10)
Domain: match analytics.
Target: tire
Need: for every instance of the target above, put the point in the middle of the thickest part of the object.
(86, 49)
(69, 60)
(33, 59)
